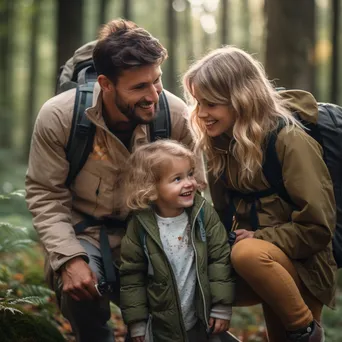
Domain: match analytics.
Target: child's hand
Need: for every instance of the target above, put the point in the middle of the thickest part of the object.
(138, 339)
(218, 325)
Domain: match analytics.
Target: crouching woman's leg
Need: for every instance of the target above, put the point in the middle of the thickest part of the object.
(287, 304)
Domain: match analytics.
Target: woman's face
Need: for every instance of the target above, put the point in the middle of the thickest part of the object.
(217, 118)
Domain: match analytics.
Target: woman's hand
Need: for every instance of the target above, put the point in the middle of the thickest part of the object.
(218, 325)
(243, 234)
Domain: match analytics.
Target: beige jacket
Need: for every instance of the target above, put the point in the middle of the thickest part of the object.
(97, 189)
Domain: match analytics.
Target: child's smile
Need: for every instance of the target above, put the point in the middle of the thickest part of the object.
(176, 188)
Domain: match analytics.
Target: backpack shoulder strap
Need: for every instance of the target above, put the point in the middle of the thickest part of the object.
(272, 169)
(82, 132)
(160, 128)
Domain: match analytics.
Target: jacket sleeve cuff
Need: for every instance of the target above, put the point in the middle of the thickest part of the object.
(138, 329)
(221, 312)
(63, 254)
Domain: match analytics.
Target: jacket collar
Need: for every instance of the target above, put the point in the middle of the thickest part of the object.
(147, 216)
(222, 143)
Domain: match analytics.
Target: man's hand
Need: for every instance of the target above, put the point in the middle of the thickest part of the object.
(218, 325)
(138, 339)
(79, 280)
(243, 234)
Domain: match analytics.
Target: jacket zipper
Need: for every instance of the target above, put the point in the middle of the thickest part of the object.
(172, 276)
(196, 259)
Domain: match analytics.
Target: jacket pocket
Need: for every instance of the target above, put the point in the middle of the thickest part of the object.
(159, 296)
(85, 191)
(93, 194)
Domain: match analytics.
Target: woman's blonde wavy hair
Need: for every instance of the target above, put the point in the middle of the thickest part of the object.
(230, 76)
(145, 167)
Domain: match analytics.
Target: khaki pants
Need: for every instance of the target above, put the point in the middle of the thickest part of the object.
(267, 276)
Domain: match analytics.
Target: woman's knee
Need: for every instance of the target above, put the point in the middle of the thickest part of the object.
(249, 252)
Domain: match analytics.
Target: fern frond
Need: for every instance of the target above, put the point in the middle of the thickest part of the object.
(19, 193)
(36, 291)
(10, 309)
(13, 238)
(33, 300)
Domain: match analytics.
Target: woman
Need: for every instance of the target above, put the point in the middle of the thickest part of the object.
(282, 253)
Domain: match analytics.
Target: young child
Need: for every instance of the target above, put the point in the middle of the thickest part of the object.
(283, 252)
(176, 281)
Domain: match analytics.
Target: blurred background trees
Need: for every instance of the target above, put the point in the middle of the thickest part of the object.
(299, 42)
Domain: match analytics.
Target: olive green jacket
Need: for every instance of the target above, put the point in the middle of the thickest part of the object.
(145, 292)
(304, 234)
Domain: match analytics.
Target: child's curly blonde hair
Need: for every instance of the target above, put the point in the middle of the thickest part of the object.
(145, 167)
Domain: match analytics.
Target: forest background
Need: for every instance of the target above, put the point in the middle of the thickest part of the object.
(299, 42)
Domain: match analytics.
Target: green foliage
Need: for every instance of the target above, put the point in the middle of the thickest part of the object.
(13, 239)
(21, 286)
(332, 320)
(27, 327)
(11, 303)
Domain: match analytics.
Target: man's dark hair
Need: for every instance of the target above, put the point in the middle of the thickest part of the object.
(123, 45)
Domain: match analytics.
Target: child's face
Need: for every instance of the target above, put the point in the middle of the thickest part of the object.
(217, 118)
(176, 188)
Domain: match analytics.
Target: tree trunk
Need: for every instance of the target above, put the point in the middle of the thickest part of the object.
(335, 72)
(127, 9)
(290, 43)
(245, 23)
(188, 33)
(69, 30)
(33, 73)
(103, 11)
(224, 22)
(6, 90)
(172, 43)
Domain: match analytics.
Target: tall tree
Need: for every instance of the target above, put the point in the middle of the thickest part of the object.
(224, 22)
(245, 16)
(103, 11)
(6, 90)
(33, 73)
(127, 9)
(172, 44)
(69, 28)
(188, 32)
(290, 45)
(335, 72)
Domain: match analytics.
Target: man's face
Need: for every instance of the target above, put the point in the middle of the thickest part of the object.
(137, 93)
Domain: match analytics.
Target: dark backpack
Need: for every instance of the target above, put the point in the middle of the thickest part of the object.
(328, 132)
(83, 77)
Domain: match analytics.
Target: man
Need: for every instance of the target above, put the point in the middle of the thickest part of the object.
(128, 63)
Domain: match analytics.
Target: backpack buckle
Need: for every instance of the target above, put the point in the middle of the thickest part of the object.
(83, 129)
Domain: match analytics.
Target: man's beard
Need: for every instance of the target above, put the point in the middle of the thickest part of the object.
(131, 111)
